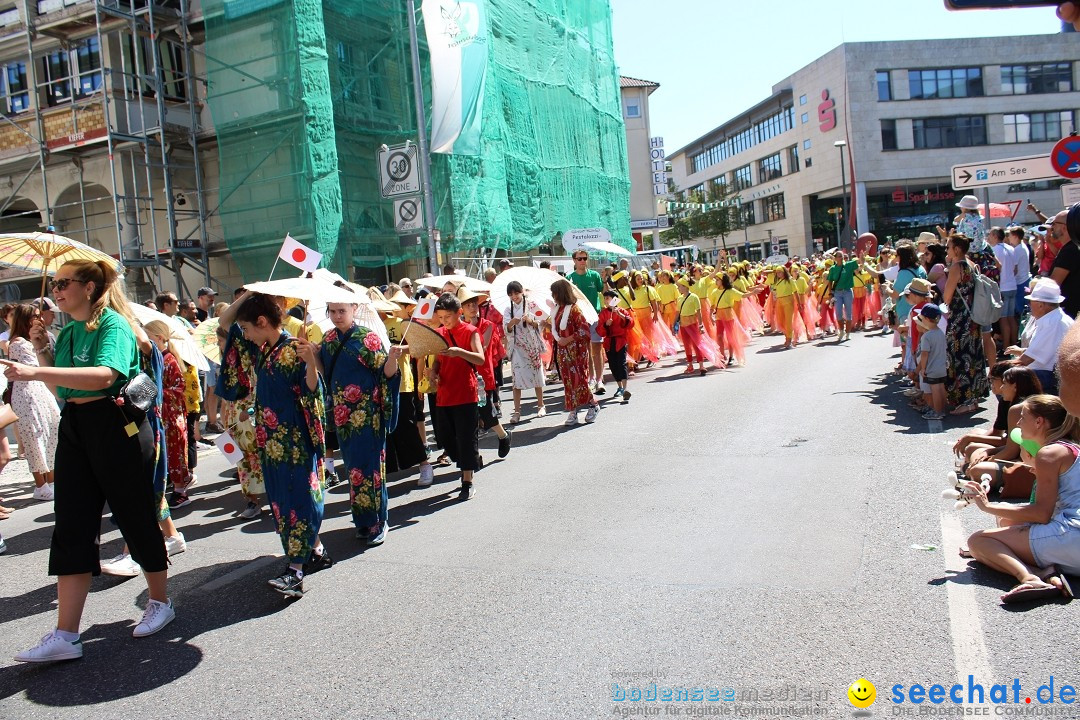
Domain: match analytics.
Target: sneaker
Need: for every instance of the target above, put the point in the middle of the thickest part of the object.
(571, 418)
(214, 428)
(122, 566)
(203, 441)
(379, 537)
(504, 445)
(44, 493)
(600, 390)
(590, 414)
(333, 479)
(541, 411)
(427, 476)
(618, 393)
(51, 648)
(468, 491)
(317, 562)
(626, 396)
(156, 616)
(178, 500)
(251, 512)
(913, 392)
(933, 415)
(174, 544)
(3, 546)
(289, 583)
(515, 417)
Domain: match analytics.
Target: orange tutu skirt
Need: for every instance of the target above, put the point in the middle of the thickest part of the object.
(635, 344)
(707, 319)
(749, 314)
(670, 313)
(658, 339)
(873, 305)
(731, 335)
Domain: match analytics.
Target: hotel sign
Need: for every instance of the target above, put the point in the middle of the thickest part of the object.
(659, 166)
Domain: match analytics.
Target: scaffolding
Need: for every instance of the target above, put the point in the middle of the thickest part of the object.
(113, 82)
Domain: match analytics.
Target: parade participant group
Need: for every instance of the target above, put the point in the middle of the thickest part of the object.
(291, 395)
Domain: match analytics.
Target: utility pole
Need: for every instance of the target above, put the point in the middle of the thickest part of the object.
(422, 138)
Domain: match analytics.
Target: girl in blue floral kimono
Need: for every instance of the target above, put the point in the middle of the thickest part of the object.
(362, 383)
(288, 414)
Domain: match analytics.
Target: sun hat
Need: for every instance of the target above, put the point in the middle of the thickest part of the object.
(618, 276)
(422, 340)
(926, 237)
(464, 295)
(401, 298)
(968, 202)
(1047, 291)
(919, 287)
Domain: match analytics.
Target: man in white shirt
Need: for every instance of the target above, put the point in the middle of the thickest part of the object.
(1015, 238)
(1044, 332)
(1006, 257)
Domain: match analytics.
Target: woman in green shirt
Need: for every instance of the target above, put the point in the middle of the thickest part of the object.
(105, 453)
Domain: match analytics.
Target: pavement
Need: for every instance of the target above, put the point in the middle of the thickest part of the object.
(775, 529)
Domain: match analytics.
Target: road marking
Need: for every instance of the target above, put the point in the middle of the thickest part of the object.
(234, 575)
(965, 623)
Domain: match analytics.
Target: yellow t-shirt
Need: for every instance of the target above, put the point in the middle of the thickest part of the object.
(721, 299)
(296, 329)
(741, 284)
(667, 293)
(703, 287)
(689, 306)
(783, 288)
(802, 286)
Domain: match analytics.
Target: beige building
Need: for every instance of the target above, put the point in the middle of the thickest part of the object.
(646, 159)
(901, 114)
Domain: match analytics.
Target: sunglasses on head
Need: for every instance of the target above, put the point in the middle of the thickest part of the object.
(63, 283)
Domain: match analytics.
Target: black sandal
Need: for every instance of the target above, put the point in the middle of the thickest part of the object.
(443, 461)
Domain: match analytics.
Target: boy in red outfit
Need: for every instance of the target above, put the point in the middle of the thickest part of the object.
(614, 327)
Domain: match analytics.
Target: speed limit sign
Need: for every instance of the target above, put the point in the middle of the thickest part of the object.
(399, 171)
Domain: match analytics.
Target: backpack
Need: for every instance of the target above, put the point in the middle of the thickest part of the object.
(986, 307)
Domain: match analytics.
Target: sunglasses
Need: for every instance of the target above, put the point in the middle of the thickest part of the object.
(62, 284)
(581, 259)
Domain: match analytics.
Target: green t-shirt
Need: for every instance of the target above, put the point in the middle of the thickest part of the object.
(112, 345)
(843, 276)
(590, 283)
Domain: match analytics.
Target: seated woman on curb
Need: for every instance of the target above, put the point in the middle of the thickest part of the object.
(1015, 386)
(995, 435)
(1042, 539)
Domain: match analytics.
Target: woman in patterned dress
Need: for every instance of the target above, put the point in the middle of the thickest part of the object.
(362, 383)
(288, 417)
(39, 415)
(967, 381)
(525, 344)
(173, 413)
(572, 335)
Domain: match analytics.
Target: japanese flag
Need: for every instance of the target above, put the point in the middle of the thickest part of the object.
(425, 308)
(299, 255)
(229, 448)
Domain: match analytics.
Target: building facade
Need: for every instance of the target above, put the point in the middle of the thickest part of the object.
(887, 121)
(645, 157)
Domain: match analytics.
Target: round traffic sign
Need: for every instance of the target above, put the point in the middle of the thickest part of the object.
(398, 166)
(408, 211)
(1065, 157)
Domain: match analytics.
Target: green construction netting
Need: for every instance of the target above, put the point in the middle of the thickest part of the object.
(304, 92)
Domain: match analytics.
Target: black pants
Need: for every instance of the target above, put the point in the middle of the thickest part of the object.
(457, 432)
(97, 462)
(192, 448)
(616, 360)
(404, 447)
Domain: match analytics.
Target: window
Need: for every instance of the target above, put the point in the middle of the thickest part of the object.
(174, 83)
(759, 132)
(945, 83)
(769, 168)
(743, 178)
(9, 16)
(748, 214)
(802, 99)
(793, 159)
(633, 110)
(13, 88)
(806, 144)
(1038, 127)
(888, 134)
(773, 207)
(1032, 79)
(48, 6)
(57, 66)
(809, 162)
(804, 118)
(884, 85)
(944, 132)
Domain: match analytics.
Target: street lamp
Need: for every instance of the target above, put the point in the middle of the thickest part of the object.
(843, 182)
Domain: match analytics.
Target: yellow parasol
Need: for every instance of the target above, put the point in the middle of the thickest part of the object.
(44, 252)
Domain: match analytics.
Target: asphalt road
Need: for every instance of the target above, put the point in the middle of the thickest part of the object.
(752, 530)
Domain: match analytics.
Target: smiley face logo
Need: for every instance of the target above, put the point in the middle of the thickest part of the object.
(862, 693)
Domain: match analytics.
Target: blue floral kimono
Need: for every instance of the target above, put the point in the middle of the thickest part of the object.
(154, 366)
(289, 439)
(364, 411)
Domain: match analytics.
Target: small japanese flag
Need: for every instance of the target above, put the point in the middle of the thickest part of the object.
(229, 448)
(299, 255)
(425, 308)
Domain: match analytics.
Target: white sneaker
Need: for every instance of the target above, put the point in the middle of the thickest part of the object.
(590, 414)
(122, 566)
(52, 648)
(174, 544)
(427, 476)
(571, 418)
(156, 616)
(45, 492)
(253, 510)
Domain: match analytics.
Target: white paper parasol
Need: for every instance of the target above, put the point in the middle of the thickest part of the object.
(182, 340)
(537, 284)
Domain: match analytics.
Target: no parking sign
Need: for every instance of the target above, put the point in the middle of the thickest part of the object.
(1065, 157)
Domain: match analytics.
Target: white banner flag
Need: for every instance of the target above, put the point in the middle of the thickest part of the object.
(457, 35)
